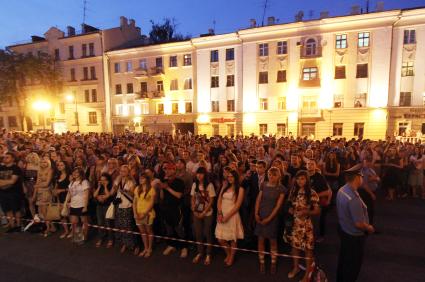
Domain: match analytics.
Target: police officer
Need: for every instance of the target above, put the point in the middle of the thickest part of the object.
(353, 226)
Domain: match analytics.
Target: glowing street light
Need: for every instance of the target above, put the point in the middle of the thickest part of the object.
(42, 106)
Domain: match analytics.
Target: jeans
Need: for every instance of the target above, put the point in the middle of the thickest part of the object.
(203, 231)
(102, 221)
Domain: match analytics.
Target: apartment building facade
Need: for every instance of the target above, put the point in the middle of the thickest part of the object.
(350, 76)
(79, 56)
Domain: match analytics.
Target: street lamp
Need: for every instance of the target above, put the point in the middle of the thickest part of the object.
(72, 98)
(42, 106)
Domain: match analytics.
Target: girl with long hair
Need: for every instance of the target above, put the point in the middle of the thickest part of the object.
(229, 225)
(144, 213)
(305, 204)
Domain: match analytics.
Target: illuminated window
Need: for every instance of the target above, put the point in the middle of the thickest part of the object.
(363, 39)
(174, 85)
(129, 66)
(188, 107)
(309, 73)
(402, 128)
(310, 47)
(407, 69)
(230, 80)
(143, 64)
(281, 103)
(308, 129)
(405, 99)
(264, 104)
(263, 49)
(230, 130)
(188, 83)
(175, 108)
(61, 108)
(360, 100)
(282, 47)
(281, 76)
(337, 129)
(358, 129)
(341, 41)
(230, 105)
(173, 61)
(263, 129)
(144, 108)
(281, 129)
(92, 118)
(215, 106)
(160, 108)
(159, 86)
(187, 59)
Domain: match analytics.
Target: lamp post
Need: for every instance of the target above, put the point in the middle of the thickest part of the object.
(42, 106)
(72, 98)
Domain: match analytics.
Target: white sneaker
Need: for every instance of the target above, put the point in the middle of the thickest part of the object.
(169, 250)
(183, 253)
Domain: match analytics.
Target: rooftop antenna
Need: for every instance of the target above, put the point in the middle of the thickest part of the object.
(367, 6)
(84, 11)
(264, 11)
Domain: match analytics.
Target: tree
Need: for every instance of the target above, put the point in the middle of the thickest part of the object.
(165, 32)
(19, 73)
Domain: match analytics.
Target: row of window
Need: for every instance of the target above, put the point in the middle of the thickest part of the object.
(12, 121)
(143, 64)
(89, 73)
(159, 86)
(87, 50)
(143, 109)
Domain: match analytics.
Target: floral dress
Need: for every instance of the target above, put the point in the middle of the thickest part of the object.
(302, 231)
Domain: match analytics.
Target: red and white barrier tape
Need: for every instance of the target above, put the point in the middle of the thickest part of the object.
(166, 238)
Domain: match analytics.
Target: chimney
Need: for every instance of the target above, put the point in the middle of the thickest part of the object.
(324, 14)
(299, 16)
(252, 23)
(211, 31)
(123, 21)
(270, 21)
(380, 6)
(70, 30)
(132, 23)
(355, 10)
(35, 38)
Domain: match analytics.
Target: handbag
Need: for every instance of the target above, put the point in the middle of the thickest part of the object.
(201, 202)
(110, 212)
(53, 211)
(65, 211)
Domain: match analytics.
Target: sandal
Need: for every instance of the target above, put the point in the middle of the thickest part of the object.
(293, 273)
(207, 260)
(197, 258)
(142, 254)
(123, 248)
(109, 245)
(148, 253)
(63, 236)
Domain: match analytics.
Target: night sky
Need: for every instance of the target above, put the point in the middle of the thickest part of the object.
(21, 19)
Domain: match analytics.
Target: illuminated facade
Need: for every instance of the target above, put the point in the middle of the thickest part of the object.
(81, 106)
(350, 76)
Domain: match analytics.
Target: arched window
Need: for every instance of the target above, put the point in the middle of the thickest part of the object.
(310, 47)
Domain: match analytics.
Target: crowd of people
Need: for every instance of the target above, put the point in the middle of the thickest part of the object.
(244, 190)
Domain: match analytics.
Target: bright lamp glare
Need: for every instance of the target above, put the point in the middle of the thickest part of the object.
(41, 106)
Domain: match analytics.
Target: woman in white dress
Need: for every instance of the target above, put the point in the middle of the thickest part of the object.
(229, 225)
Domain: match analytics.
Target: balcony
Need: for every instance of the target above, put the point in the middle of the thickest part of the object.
(156, 94)
(310, 53)
(312, 113)
(140, 73)
(141, 95)
(310, 83)
(155, 71)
